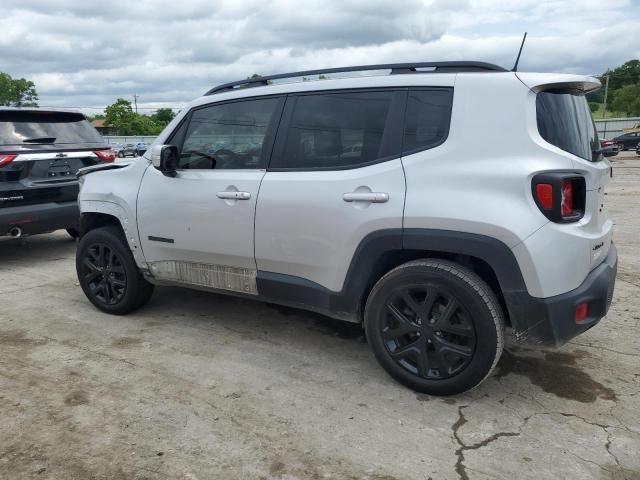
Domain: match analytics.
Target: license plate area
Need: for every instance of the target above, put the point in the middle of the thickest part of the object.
(60, 170)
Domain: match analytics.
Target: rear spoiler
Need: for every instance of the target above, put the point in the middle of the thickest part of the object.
(101, 166)
(538, 82)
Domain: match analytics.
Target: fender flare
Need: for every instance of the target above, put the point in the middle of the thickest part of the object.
(114, 210)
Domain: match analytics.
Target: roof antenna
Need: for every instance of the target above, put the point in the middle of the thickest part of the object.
(515, 67)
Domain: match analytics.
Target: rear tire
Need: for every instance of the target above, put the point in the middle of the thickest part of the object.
(108, 274)
(435, 326)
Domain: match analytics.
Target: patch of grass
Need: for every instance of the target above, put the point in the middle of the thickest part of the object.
(598, 114)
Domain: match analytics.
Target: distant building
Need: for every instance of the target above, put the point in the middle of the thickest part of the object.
(102, 129)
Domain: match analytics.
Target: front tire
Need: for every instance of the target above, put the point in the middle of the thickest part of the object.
(435, 326)
(108, 273)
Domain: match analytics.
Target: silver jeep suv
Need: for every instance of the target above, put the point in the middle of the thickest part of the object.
(435, 205)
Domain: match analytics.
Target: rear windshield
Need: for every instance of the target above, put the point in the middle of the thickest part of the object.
(34, 128)
(564, 120)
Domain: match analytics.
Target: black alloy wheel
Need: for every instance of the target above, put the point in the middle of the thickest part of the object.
(428, 332)
(435, 326)
(104, 274)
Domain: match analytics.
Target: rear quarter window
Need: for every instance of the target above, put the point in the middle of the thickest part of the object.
(33, 128)
(427, 119)
(564, 120)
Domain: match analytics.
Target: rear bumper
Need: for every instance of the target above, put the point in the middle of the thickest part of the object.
(552, 320)
(39, 218)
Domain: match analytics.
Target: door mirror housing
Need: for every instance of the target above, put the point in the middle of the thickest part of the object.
(165, 159)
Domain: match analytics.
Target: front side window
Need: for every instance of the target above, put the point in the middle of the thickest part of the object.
(427, 119)
(336, 130)
(564, 120)
(227, 135)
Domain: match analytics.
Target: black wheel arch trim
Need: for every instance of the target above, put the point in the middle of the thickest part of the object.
(348, 304)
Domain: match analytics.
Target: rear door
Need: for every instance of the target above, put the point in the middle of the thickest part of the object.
(45, 150)
(335, 177)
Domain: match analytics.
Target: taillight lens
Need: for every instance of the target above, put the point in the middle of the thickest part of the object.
(106, 155)
(560, 196)
(566, 198)
(544, 194)
(6, 159)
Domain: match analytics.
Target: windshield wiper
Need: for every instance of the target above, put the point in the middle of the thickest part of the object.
(39, 140)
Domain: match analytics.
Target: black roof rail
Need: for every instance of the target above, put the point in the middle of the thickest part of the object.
(396, 68)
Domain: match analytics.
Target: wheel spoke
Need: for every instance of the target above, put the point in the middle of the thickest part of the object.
(405, 326)
(117, 283)
(447, 313)
(108, 292)
(109, 258)
(101, 259)
(443, 346)
(93, 271)
(457, 329)
(406, 351)
(422, 359)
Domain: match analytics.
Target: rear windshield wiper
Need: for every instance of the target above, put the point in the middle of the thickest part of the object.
(39, 140)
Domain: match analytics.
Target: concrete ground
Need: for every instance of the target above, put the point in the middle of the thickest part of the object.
(202, 386)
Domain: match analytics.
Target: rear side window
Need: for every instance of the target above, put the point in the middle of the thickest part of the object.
(37, 128)
(336, 130)
(427, 119)
(564, 120)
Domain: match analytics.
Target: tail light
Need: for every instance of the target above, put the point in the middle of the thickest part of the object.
(560, 196)
(106, 155)
(566, 198)
(6, 159)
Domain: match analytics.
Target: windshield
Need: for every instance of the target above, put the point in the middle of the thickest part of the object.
(564, 120)
(30, 127)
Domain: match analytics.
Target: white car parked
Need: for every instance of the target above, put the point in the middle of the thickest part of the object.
(434, 207)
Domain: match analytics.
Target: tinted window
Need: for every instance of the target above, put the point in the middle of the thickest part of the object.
(564, 120)
(335, 130)
(33, 128)
(427, 119)
(227, 136)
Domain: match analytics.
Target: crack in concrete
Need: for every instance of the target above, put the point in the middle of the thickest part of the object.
(461, 468)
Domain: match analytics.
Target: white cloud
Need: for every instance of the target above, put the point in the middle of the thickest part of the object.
(86, 53)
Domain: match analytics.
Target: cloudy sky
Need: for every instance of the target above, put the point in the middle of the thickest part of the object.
(85, 53)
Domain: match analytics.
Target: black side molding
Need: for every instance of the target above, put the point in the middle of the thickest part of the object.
(160, 239)
(371, 260)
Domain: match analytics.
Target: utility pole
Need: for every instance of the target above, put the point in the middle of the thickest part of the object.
(606, 94)
(135, 101)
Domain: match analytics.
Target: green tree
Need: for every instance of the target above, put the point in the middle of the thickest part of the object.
(17, 92)
(120, 116)
(627, 100)
(163, 116)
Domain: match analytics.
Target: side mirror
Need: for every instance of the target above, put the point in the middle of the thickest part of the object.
(168, 163)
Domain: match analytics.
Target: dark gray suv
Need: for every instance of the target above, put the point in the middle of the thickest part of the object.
(40, 153)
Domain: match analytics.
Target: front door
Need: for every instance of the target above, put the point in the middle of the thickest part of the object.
(197, 228)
